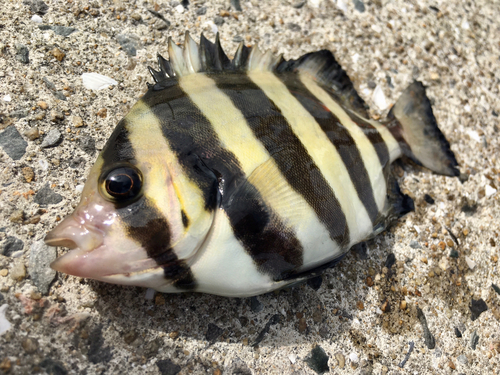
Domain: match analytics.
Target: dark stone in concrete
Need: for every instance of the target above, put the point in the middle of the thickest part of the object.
(13, 143)
(87, 144)
(22, 53)
(46, 196)
(255, 305)
(477, 307)
(213, 332)
(37, 6)
(315, 282)
(359, 5)
(11, 245)
(429, 340)
(167, 367)
(130, 43)
(59, 30)
(53, 367)
(317, 360)
(97, 353)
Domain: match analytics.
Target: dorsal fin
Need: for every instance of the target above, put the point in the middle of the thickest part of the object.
(210, 57)
(240, 60)
(323, 66)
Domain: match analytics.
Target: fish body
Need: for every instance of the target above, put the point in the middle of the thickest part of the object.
(238, 177)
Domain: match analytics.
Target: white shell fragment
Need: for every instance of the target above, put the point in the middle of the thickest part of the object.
(7, 98)
(474, 135)
(489, 191)
(470, 262)
(4, 323)
(379, 98)
(150, 294)
(36, 18)
(96, 81)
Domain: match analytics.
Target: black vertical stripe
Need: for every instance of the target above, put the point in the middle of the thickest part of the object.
(340, 137)
(273, 247)
(143, 222)
(374, 136)
(273, 131)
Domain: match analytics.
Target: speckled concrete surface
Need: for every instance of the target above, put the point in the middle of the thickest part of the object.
(366, 312)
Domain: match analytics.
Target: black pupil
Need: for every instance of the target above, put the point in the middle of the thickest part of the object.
(123, 183)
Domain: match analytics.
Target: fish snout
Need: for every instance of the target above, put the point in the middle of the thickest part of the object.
(74, 233)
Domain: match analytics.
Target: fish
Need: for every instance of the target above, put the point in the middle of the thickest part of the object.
(237, 177)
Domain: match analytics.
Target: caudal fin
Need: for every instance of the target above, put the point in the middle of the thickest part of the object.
(422, 140)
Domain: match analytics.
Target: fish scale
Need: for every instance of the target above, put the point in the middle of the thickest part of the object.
(238, 177)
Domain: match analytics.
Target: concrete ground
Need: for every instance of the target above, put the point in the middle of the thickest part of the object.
(433, 307)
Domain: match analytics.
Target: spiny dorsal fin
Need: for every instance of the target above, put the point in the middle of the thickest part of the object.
(210, 57)
(240, 60)
(323, 66)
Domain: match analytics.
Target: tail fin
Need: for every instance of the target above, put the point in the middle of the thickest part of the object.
(420, 136)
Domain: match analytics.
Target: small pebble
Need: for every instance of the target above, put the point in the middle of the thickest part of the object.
(32, 134)
(302, 325)
(235, 4)
(30, 345)
(219, 21)
(369, 281)
(52, 138)
(477, 307)
(4, 272)
(28, 174)
(41, 274)
(340, 360)
(77, 121)
(58, 54)
(429, 199)
(299, 4)
(462, 358)
(130, 337)
(22, 53)
(56, 116)
(474, 340)
(18, 271)
(17, 216)
(103, 112)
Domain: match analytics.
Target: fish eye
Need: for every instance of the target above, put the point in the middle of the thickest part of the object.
(122, 183)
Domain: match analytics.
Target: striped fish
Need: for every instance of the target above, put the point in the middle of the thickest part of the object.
(238, 177)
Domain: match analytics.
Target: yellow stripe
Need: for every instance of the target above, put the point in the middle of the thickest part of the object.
(321, 150)
(165, 183)
(236, 136)
(365, 147)
(391, 142)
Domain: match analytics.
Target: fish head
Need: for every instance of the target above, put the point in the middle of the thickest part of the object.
(140, 220)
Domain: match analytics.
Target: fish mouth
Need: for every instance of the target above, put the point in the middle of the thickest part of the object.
(97, 255)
